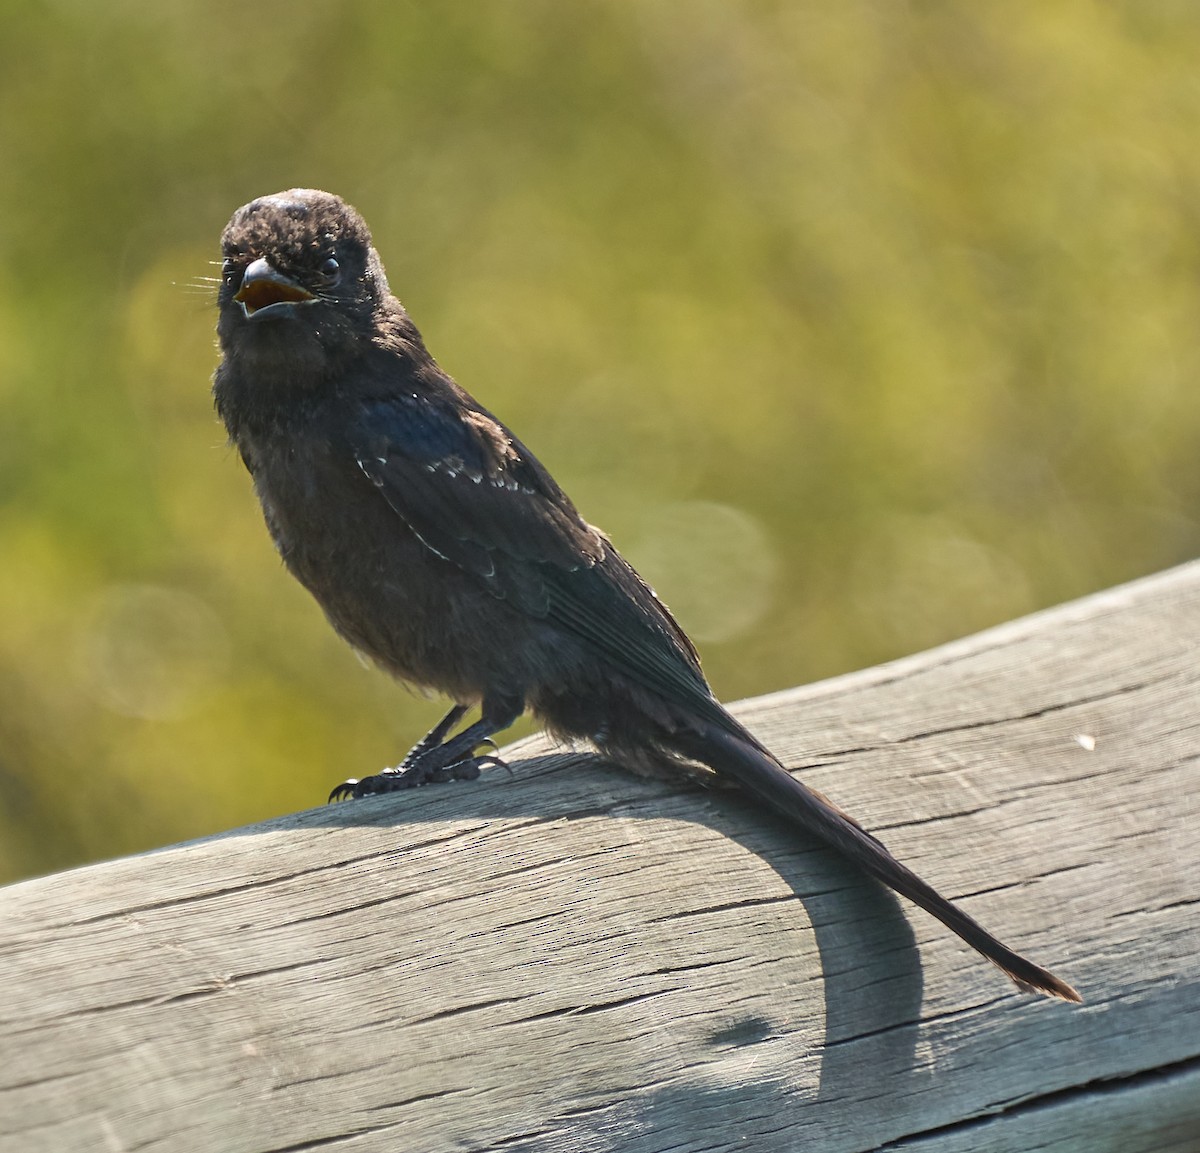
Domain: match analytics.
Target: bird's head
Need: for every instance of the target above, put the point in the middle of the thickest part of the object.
(297, 270)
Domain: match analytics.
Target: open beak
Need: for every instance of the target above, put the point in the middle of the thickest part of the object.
(267, 292)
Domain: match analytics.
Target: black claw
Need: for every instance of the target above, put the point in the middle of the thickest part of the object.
(343, 791)
(490, 762)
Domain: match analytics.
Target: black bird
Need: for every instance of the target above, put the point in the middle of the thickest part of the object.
(439, 546)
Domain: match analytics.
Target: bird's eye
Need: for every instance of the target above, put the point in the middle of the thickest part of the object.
(230, 273)
(330, 270)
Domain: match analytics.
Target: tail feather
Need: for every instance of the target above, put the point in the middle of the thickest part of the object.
(745, 761)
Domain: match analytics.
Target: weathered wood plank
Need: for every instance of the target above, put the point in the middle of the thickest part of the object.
(1144, 1114)
(576, 960)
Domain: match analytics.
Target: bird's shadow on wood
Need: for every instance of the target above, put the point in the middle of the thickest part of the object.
(870, 965)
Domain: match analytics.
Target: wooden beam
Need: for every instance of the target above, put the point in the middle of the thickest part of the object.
(573, 959)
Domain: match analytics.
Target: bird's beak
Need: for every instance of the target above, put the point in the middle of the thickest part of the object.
(267, 292)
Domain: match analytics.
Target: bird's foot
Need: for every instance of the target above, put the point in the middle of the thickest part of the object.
(428, 768)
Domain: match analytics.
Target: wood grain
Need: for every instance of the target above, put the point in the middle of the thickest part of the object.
(572, 959)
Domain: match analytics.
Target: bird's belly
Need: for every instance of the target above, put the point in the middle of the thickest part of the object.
(418, 616)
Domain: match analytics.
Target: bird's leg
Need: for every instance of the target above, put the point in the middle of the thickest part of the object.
(436, 759)
(435, 736)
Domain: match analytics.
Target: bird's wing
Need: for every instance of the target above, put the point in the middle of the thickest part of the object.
(475, 496)
(468, 489)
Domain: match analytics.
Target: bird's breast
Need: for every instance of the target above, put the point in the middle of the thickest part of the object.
(395, 600)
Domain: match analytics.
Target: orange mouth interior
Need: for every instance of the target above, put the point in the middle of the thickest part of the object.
(261, 293)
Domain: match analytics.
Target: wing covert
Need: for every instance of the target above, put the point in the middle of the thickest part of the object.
(474, 495)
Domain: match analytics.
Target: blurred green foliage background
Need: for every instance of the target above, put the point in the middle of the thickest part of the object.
(859, 326)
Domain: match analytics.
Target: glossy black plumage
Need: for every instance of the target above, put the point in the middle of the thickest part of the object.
(440, 547)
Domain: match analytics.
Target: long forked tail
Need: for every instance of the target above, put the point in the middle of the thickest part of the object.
(742, 760)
